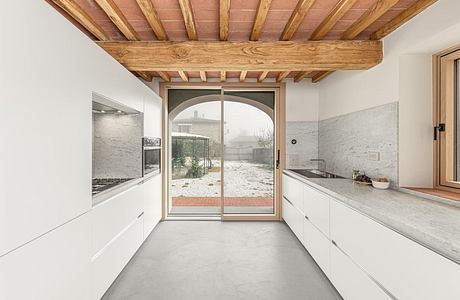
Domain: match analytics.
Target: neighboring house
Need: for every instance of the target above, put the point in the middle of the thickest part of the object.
(198, 125)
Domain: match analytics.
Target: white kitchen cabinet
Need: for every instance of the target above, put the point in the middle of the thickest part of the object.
(318, 245)
(351, 281)
(293, 191)
(152, 189)
(316, 208)
(294, 218)
(110, 261)
(113, 215)
(152, 116)
(405, 268)
(54, 266)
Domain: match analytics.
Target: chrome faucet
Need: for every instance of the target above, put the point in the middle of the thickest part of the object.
(321, 161)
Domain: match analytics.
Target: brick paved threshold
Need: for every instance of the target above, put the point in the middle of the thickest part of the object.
(228, 201)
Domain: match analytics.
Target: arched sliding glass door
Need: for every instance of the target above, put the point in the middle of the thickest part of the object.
(223, 153)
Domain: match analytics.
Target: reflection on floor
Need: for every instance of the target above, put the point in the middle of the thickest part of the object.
(222, 260)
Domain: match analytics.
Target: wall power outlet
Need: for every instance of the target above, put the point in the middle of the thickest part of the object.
(373, 155)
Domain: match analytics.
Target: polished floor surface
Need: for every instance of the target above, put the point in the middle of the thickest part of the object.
(222, 260)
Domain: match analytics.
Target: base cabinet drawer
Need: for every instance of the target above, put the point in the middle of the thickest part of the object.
(351, 281)
(294, 218)
(293, 191)
(110, 261)
(152, 203)
(318, 245)
(316, 208)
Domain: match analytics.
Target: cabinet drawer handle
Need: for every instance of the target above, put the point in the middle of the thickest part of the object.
(142, 213)
(288, 201)
(306, 217)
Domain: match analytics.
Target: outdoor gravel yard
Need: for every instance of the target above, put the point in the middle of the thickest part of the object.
(242, 178)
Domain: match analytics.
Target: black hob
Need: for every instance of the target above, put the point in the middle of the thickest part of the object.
(102, 184)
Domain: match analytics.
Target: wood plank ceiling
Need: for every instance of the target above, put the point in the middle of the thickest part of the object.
(238, 21)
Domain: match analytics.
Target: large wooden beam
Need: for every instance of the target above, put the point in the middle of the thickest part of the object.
(246, 56)
(402, 18)
(296, 18)
(76, 12)
(151, 15)
(369, 17)
(259, 22)
(117, 17)
(339, 10)
(189, 19)
(224, 18)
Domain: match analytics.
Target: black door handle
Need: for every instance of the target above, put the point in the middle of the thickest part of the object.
(278, 159)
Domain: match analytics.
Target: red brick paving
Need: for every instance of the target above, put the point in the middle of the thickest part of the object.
(228, 201)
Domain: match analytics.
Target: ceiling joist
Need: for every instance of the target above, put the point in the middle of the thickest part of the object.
(301, 75)
(320, 76)
(117, 18)
(154, 21)
(223, 76)
(259, 22)
(243, 76)
(262, 76)
(224, 17)
(282, 75)
(340, 9)
(203, 76)
(189, 19)
(164, 76)
(402, 18)
(246, 56)
(296, 19)
(183, 76)
(369, 17)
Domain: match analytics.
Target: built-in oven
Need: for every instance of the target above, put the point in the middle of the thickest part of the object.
(151, 155)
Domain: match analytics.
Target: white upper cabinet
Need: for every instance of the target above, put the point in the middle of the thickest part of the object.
(152, 116)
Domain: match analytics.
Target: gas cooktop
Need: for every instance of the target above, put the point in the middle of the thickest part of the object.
(102, 184)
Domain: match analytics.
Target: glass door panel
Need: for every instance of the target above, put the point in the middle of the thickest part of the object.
(248, 152)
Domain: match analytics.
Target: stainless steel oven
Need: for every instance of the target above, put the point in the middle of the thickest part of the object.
(151, 155)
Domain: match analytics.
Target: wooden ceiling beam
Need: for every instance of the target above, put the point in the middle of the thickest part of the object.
(203, 76)
(223, 76)
(282, 75)
(76, 12)
(259, 21)
(320, 76)
(262, 76)
(183, 76)
(151, 15)
(402, 18)
(301, 75)
(224, 19)
(189, 19)
(243, 76)
(245, 56)
(145, 75)
(165, 76)
(339, 10)
(296, 19)
(369, 17)
(117, 18)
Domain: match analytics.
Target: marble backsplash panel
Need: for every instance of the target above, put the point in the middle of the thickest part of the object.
(117, 146)
(350, 142)
(298, 155)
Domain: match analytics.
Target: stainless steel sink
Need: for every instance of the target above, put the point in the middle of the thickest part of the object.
(315, 173)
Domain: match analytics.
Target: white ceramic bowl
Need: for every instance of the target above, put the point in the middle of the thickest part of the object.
(380, 185)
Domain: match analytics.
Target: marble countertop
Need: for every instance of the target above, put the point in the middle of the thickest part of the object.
(433, 224)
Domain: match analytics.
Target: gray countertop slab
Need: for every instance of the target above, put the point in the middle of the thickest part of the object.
(433, 224)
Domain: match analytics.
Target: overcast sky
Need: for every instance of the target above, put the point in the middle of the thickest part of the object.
(240, 118)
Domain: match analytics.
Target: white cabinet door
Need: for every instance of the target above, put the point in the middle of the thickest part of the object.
(317, 245)
(152, 116)
(405, 268)
(55, 266)
(351, 282)
(293, 191)
(152, 203)
(294, 218)
(316, 208)
(111, 260)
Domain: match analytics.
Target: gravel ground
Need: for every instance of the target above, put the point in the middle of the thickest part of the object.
(242, 179)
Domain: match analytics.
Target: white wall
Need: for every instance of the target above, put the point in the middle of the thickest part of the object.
(404, 76)
(302, 101)
(49, 70)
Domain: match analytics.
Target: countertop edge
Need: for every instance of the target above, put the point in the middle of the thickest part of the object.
(379, 218)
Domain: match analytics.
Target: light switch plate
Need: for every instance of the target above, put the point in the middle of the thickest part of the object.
(373, 155)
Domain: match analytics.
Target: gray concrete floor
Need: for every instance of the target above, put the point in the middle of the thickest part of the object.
(222, 260)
